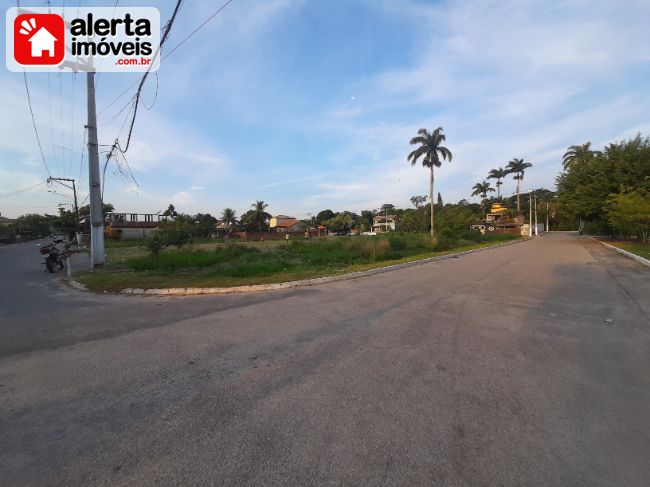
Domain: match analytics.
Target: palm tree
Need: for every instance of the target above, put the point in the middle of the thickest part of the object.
(228, 217)
(482, 189)
(430, 151)
(578, 153)
(518, 167)
(259, 215)
(498, 174)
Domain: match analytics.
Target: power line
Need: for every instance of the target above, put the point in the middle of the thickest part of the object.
(213, 15)
(31, 111)
(49, 97)
(168, 28)
(6, 195)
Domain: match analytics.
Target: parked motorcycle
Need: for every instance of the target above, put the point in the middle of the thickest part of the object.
(55, 253)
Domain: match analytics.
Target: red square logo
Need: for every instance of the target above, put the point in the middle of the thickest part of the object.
(39, 39)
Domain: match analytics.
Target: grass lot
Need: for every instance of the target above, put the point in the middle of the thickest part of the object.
(638, 248)
(217, 265)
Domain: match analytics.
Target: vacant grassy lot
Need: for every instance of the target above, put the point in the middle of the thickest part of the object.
(638, 248)
(212, 264)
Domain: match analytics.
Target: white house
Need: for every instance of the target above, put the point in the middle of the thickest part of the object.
(42, 41)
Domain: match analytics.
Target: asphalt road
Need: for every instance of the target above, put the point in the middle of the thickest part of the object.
(496, 368)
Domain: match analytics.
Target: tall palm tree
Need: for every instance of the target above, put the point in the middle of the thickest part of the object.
(229, 217)
(498, 174)
(482, 189)
(578, 153)
(259, 215)
(430, 151)
(518, 167)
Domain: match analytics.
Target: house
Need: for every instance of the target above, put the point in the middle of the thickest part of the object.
(42, 41)
(221, 229)
(384, 223)
(287, 224)
(127, 226)
(6, 221)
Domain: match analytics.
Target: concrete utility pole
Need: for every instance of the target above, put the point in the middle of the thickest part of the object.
(530, 214)
(76, 206)
(97, 257)
(536, 232)
(547, 217)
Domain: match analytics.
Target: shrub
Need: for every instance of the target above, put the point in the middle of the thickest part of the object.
(155, 244)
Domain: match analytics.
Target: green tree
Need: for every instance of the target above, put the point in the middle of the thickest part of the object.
(342, 222)
(170, 211)
(439, 200)
(229, 217)
(430, 151)
(84, 214)
(324, 215)
(66, 222)
(584, 188)
(33, 225)
(366, 219)
(482, 189)
(518, 168)
(577, 154)
(418, 201)
(415, 220)
(203, 224)
(498, 174)
(629, 213)
(259, 216)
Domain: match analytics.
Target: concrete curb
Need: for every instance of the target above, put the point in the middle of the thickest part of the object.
(638, 258)
(192, 291)
(75, 284)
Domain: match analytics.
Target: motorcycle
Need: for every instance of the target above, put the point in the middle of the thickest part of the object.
(54, 255)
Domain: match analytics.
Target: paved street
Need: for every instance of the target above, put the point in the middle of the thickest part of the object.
(496, 368)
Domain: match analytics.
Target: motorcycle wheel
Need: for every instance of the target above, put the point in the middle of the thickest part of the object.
(61, 264)
(50, 265)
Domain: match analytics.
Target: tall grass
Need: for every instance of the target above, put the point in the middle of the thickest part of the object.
(240, 261)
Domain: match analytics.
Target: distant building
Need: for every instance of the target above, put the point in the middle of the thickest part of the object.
(286, 224)
(6, 221)
(384, 223)
(128, 226)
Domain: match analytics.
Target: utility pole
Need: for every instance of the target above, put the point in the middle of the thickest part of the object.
(96, 206)
(97, 255)
(530, 214)
(547, 229)
(536, 232)
(76, 206)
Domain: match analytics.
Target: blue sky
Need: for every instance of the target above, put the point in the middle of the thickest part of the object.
(310, 105)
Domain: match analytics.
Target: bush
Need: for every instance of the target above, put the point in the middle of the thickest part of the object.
(445, 243)
(155, 244)
(175, 259)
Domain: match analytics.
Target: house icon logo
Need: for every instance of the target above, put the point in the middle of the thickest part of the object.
(39, 39)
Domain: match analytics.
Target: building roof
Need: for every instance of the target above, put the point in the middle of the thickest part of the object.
(384, 218)
(285, 217)
(288, 223)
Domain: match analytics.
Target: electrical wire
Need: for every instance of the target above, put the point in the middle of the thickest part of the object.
(49, 98)
(13, 193)
(165, 36)
(214, 14)
(31, 111)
